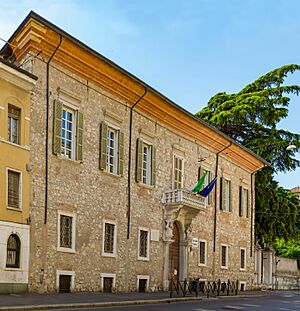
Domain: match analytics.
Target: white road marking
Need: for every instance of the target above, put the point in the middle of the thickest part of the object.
(205, 309)
(250, 305)
(285, 309)
(232, 308)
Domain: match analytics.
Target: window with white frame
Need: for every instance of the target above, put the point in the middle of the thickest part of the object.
(68, 127)
(146, 165)
(13, 123)
(109, 238)
(112, 150)
(207, 180)
(143, 244)
(67, 130)
(66, 231)
(225, 195)
(202, 252)
(243, 258)
(244, 202)
(14, 189)
(224, 256)
(178, 173)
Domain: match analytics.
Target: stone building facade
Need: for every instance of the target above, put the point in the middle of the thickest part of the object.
(112, 160)
(15, 87)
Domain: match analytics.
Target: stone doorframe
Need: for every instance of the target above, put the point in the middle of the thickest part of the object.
(183, 222)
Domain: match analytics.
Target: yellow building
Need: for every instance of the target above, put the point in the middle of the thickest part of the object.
(15, 88)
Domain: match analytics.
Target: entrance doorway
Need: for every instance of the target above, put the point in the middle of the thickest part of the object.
(174, 254)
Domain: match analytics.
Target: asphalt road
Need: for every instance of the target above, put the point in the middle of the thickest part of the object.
(281, 301)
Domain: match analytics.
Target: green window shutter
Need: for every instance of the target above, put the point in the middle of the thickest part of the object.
(230, 193)
(57, 116)
(241, 201)
(79, 135)
(103, 140)
(121, 154)
(153, 166)
(139, 160)
(247, 204)
(221, 193)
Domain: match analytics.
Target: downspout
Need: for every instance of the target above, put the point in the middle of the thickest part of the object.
(215, 214)
(129, 165)
(251, 216)
(47, 128)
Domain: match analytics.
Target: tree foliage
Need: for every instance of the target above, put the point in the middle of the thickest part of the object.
(289, 248)
(251, 117)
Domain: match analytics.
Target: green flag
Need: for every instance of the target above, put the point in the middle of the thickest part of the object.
(196, 187)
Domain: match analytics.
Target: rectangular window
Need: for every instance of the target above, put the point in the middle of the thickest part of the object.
(13, 124)
(146, 164)
(207, 180)
(111, 150)
(178, 173)
(244, 202)
(243, 259)
(225, 195)
(68, 133)
(13, 189)
(143, 249)
(66, 232)
(224, 256)
(109, 238)
(202, 252)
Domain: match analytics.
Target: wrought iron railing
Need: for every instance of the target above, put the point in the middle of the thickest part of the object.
(185, 197)
(207, 288)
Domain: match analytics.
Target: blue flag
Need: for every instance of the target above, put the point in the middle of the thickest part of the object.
(207, 190)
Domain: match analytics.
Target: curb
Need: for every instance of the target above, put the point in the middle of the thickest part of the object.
(99, 304)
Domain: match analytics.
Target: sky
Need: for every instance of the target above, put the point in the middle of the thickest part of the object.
(188, 50)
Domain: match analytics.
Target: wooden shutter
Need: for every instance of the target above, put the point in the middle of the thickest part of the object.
(121, 154)
(247, 203)
(221, 193)
(229, 203)
(57, 115)
(79, 136)
(153, 166)
(241, 202)
(103, 140)
(139, 160)
(13, 189)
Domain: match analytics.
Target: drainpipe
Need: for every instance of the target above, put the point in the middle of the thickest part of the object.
(215, 214)
(251, 216)
(47, 128)
(129, 164)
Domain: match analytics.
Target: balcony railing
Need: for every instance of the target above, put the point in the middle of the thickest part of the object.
(184, 197)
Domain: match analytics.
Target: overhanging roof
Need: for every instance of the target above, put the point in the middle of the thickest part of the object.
(37, 35)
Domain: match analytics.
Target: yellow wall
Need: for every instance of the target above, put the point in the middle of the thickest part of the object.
(11, 155)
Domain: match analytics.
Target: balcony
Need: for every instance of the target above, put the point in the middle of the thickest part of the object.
(183, 198)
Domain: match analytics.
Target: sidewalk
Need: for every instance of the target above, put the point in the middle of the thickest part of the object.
(76, 300)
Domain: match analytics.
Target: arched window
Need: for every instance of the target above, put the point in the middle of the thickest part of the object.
(13, 252)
